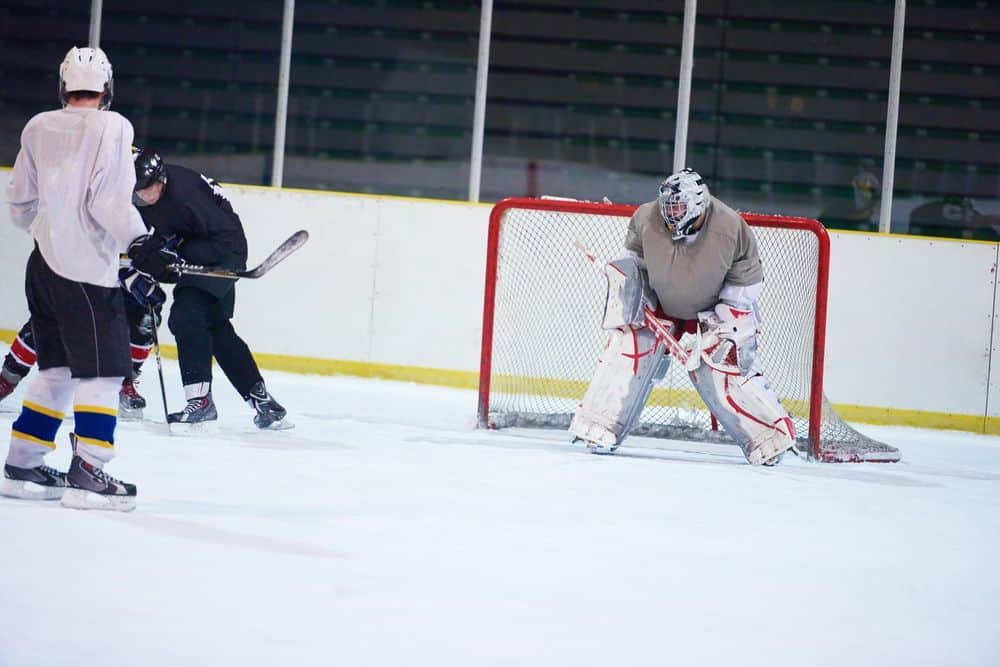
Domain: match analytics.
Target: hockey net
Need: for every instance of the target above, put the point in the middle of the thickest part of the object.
(541, 338)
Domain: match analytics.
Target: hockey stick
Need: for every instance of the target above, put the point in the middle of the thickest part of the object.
(290, 245)
(159, 368)
(655, 324)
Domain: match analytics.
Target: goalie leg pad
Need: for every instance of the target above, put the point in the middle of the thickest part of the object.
(631, 363)
(746, 407)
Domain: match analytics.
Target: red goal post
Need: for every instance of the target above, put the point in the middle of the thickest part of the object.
(541, 336)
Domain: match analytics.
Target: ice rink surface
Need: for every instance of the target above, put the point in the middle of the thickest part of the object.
(385, 530)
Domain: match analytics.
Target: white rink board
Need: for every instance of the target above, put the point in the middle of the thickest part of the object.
(910, 322)
(381, 280)
(993, 405)
(428, 294)
(399, 281)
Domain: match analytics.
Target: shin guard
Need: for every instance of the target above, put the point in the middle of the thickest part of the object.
(95, 409)
(45, 403)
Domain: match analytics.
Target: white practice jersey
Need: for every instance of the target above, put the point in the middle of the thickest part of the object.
(71, 188)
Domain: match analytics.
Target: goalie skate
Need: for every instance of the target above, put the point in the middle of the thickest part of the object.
(595, 446)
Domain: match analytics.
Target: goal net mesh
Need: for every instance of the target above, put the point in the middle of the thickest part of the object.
(544, 328)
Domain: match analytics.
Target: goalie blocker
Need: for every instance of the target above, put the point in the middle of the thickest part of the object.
(722, 367)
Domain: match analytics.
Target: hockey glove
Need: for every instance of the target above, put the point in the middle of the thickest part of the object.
(735, 324)
(141, 287)
(152, 254)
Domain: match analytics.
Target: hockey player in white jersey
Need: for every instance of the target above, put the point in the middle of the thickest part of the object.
(695, 261)
(71, 189)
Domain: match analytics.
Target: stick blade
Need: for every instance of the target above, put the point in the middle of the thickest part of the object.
(290, 245)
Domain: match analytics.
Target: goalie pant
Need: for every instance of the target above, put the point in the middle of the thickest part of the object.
(21, 357)
(727, 378)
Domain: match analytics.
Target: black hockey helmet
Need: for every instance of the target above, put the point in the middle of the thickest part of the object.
(149, 168)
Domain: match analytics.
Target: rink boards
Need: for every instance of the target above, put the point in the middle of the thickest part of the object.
(393, 287)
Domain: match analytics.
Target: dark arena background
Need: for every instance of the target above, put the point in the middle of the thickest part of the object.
(405, 452)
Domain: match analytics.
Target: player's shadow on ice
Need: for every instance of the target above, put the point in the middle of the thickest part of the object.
(190, 530)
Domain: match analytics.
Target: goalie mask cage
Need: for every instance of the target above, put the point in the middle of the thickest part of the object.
(541, 332)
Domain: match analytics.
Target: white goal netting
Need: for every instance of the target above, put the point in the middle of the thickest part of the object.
(541, 337)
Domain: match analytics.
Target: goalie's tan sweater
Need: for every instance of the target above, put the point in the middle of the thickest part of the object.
(687, 275)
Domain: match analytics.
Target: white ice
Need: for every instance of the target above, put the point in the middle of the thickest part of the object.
(386, 530)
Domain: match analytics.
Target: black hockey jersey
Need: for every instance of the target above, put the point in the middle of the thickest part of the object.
(195, 209)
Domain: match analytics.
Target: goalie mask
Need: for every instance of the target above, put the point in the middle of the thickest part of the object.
(683, 197)
(86, 69)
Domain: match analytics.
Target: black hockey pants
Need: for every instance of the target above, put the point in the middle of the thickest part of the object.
(200, 324)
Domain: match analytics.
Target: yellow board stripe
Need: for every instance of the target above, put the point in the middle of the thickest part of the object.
(95, 442)
(41, 409)
(572, 389)
(30, 438)
(575, 389)
(113, 412)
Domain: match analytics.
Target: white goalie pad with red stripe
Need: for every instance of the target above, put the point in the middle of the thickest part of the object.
(632, 361)
(745, 405)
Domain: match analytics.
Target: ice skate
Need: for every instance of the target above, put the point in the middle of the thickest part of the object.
(130, 402)
(597, 447)
(90, 488)
(270, 414)
(39, 483)
(8, 381)
(199, 410)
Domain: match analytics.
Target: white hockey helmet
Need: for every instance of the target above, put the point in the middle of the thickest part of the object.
(85, 68)
(682, 198)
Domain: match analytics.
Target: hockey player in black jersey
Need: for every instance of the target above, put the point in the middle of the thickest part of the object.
(190, 215)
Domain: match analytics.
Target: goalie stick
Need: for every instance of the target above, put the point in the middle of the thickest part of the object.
(290, 245)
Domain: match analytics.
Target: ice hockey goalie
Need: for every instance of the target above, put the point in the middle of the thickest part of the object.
(695, 261)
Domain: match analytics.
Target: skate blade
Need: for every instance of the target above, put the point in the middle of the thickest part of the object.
(130, 414)
(280, 425)
(600, 450)
(768, 454)
(193, 428)
(13, 488)
(82, 499)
